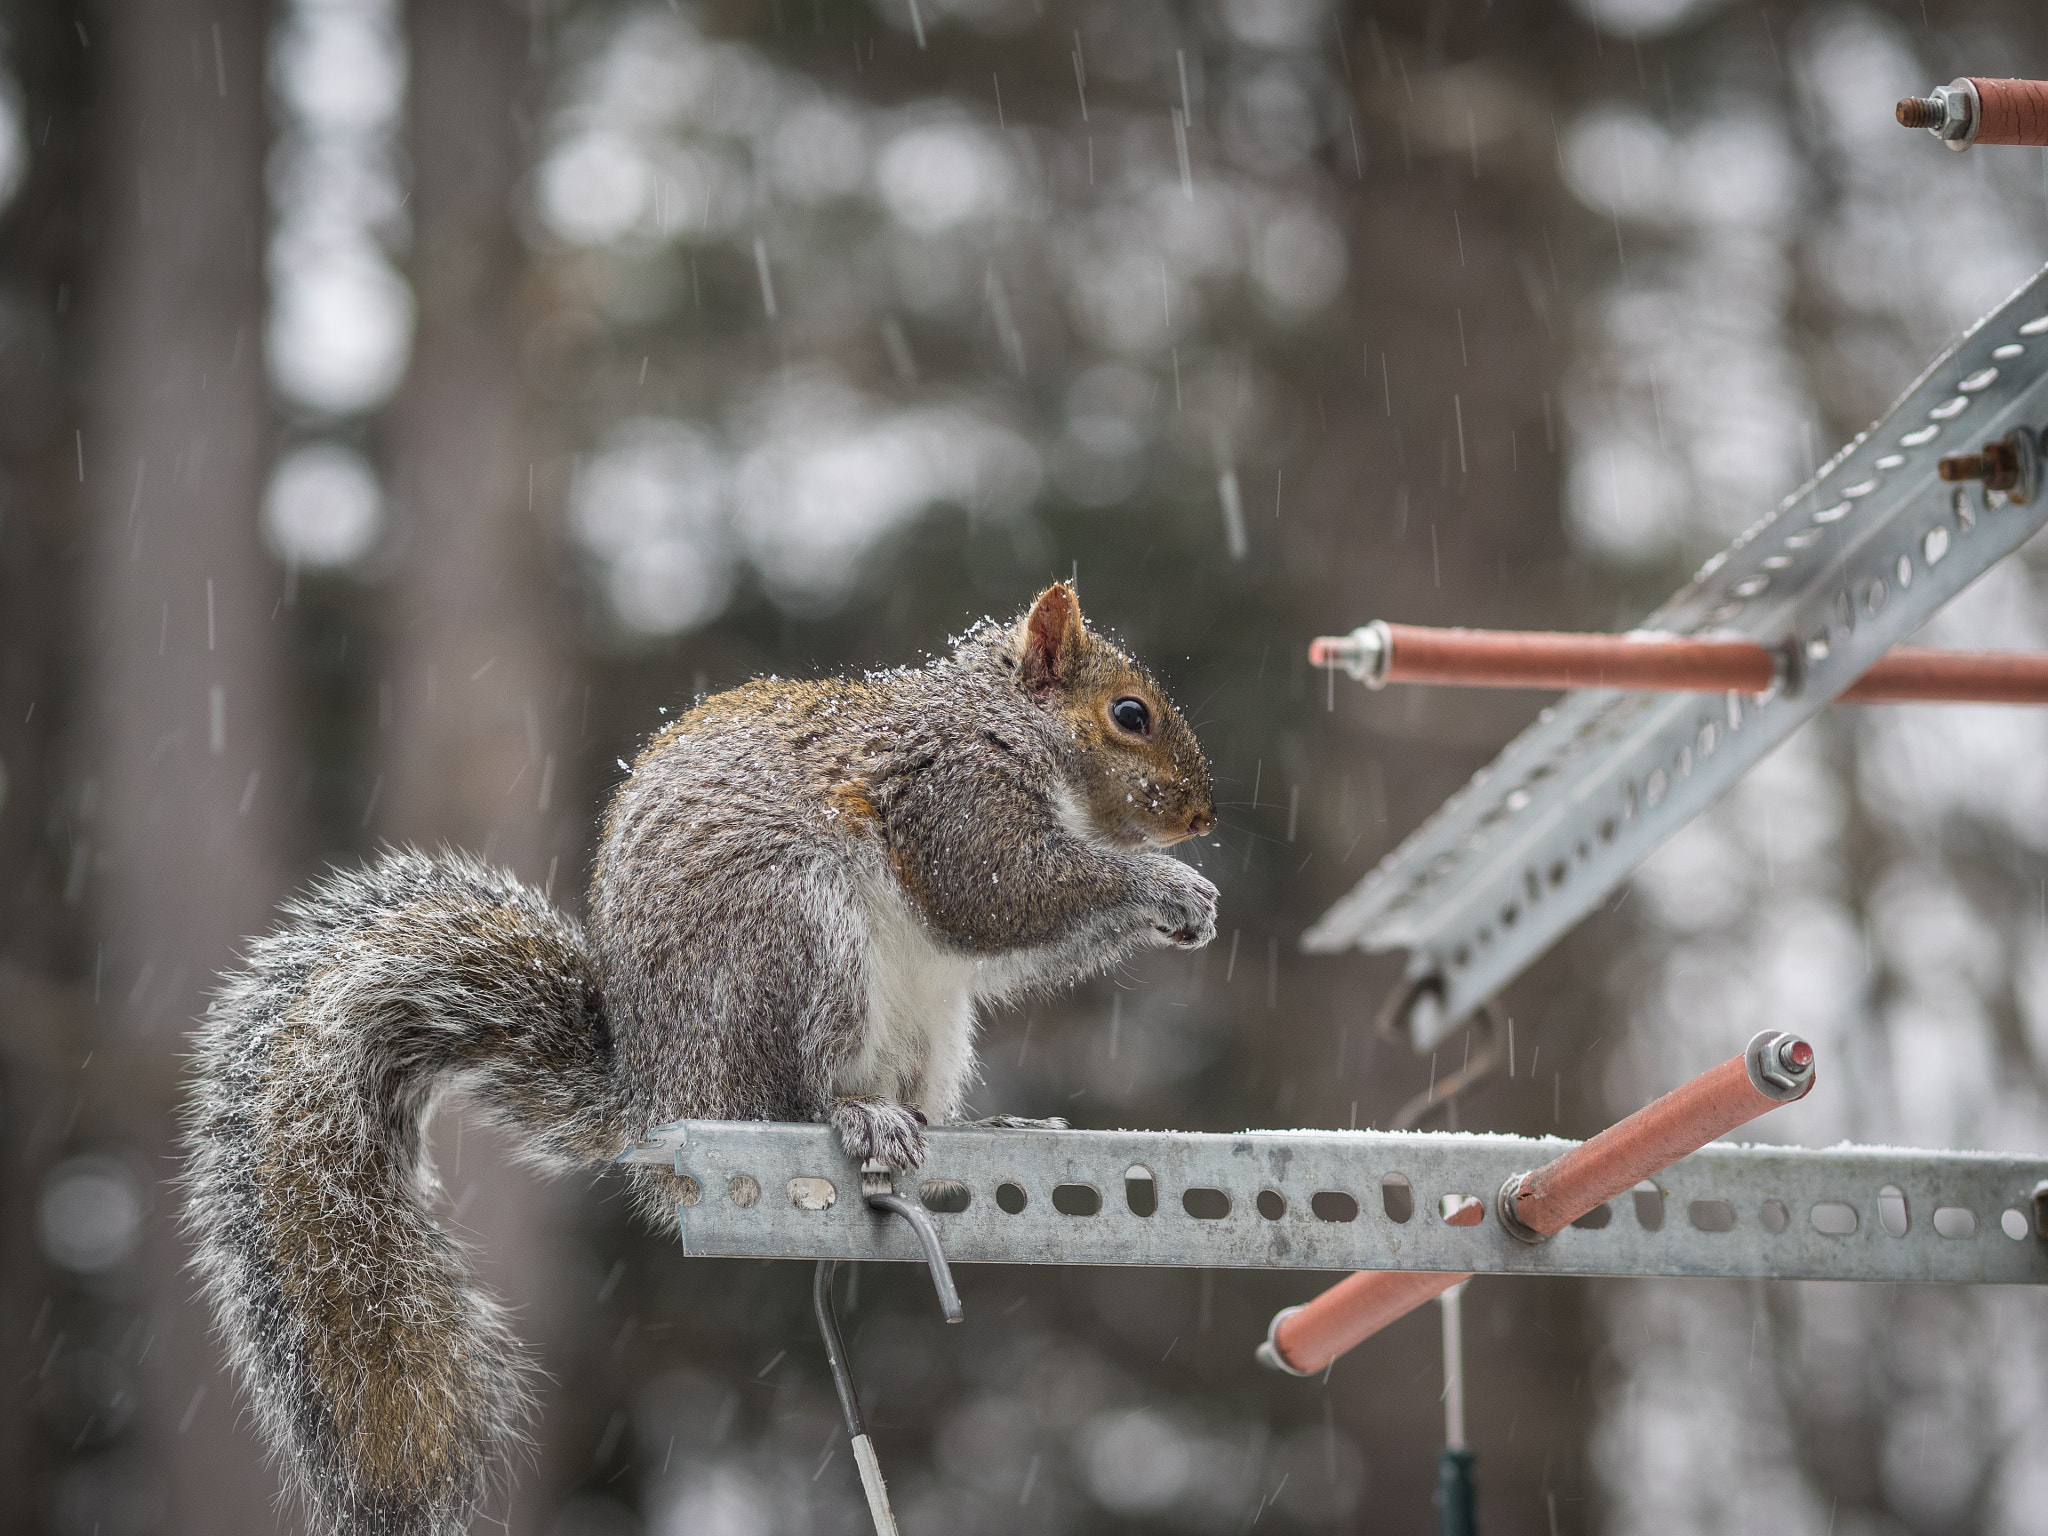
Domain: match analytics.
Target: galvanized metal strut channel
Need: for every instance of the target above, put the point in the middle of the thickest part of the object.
(1349, 1200)
(1843, 570)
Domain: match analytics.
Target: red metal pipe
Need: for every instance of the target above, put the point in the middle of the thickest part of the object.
(1976, 110)
(1304, 1339)
(1478, 658)
(1775, 1069)
(1495, 658)
(2012, 111)
(1909, 675)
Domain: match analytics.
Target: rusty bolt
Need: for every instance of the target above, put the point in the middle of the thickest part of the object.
(1997, 465)
(1949, 112)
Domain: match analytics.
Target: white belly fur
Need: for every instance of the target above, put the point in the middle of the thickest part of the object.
(918, 1046)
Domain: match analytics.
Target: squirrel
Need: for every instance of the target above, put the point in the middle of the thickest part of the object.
(801, 893)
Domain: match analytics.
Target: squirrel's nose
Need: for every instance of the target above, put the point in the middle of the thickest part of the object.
(1201, 823)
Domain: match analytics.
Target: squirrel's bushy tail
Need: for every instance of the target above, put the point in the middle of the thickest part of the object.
(379, 1370)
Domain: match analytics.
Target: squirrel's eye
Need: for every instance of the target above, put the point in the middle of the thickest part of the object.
(1132, 715)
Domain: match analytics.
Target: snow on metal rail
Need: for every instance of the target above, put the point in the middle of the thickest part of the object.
(1351, 1200)
(1847, 567)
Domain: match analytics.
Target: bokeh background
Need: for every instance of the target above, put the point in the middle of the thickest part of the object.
(402, 406)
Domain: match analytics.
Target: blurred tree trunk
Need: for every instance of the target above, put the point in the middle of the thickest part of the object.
(41, 257)
(477, 755)
(41, 260)
(182, 806)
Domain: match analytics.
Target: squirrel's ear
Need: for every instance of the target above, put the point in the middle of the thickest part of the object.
(1052, 635)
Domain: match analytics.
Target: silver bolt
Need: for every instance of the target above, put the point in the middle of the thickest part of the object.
(1780, 1065)
(1364, 653)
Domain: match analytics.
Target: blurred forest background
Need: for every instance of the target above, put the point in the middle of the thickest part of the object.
(401, 407)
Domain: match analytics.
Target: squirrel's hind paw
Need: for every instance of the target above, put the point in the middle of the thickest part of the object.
(1018, 1123)
(874, 1129)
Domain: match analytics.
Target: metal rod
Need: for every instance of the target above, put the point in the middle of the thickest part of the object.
(1382, 653)
(1774, 1069)
(881, 1197)
(928, 1239)
(1974, 110)
(849, 1402)
(1302, 1340)
(1454, 1367)
(1909, 675)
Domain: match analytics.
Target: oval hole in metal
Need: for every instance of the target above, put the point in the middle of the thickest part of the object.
(1205, 1204)
(1011, 1198)
(1774, 1215)
(1834, 1219)
(1461, 1210)
(949, 1197)
(1649, 1203)
(1955, 1221)
(1333, 1205)
(1596, 1218)
(812, 1194)
(1141, 1194)
(1076, 1199)
(690, 1192)
(743, 1189)
(2013, 1224)
(1891, 1210)
(1711, 1215)
(1272, 1204)
(1396, 1197)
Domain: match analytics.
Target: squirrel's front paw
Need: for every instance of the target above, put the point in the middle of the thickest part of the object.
(874, 1129)
(1185, 912)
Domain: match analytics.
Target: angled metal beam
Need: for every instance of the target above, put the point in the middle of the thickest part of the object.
(1854, 562)
(1323, 1200)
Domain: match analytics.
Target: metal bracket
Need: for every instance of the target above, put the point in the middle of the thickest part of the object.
(1853, 563)
(1349, 1200)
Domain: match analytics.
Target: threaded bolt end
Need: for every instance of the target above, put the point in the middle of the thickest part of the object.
(1997, 465)
(1921, 112)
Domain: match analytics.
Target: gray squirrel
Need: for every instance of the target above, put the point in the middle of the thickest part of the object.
(802, 891)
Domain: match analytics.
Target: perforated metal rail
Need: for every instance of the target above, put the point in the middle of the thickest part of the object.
(1848, 566)
(1350, 1200)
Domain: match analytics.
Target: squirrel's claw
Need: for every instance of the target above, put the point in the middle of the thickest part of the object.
(875, 1129)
